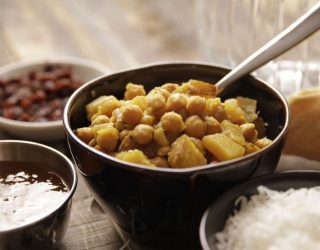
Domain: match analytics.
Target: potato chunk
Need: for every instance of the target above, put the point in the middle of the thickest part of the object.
(85, 134)
(263, 142)
(93, 106)
(234, 113)
(233, 131)
(185, 154)
(107, 138)
(249, 106)
(134, 156)
(222, 147)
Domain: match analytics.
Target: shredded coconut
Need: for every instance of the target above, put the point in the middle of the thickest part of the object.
(273, 220)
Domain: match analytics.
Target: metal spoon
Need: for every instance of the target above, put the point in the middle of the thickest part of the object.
(291, 36)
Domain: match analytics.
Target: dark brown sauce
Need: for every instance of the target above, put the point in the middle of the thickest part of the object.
(28, 191)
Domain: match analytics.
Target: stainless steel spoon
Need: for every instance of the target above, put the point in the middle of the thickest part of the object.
(291, 36)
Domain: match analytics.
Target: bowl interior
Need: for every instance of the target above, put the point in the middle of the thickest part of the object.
(271, 104)
(215, 216)
(12, 150)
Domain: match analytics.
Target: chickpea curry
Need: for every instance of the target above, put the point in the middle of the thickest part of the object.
(174, 125)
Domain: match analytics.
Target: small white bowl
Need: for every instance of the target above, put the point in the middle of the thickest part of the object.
(83, 69)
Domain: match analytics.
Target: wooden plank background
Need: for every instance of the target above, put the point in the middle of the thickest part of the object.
(117, 33)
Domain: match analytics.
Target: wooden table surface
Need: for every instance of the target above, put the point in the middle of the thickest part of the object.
(116, 33)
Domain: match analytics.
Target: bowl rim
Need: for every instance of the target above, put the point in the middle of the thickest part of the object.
(70, 192)
(243, 186)
(192, 170)
(38, 61)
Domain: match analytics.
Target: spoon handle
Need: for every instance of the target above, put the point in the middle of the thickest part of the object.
(295, 33)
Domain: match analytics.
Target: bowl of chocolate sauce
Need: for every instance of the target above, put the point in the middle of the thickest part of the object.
(37, 183)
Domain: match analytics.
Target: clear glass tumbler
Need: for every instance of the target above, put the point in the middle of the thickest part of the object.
(231, 30)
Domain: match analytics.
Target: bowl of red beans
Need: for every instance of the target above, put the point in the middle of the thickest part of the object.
(33, 94)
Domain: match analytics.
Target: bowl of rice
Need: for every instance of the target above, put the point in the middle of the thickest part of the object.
(278, 211)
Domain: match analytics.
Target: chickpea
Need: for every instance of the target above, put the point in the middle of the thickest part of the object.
(170, 87)
(172, 122)
(219, 113)
(211, 104)
(100, 119)
(148, 119)
(157, 90)
(156, 101)
(176, 101)
(133, 90)
(132, 114)
(196, 105)
(195, 126)
(108, 106)
(183, 88)
(107, 139)
(142, 134)
(85, 134)
(93, 107)
(160, 138)
(141, 101)
(165, 93)
(212, 125)
(98, 127)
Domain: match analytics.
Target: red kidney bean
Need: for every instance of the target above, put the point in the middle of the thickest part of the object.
(38, 95)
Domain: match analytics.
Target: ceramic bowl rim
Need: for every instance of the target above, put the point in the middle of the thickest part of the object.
(66, 60)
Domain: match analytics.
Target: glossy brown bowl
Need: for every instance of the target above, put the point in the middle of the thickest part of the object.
(162, 207)
(215, 216)
(47, 231)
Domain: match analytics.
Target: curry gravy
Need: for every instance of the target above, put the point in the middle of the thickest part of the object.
(28, 191)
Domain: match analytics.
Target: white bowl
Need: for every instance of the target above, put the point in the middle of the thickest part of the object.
(83, 69)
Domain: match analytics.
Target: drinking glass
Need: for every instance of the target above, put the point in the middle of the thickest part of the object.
(231, 30)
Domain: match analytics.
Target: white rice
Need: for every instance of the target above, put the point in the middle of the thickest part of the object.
(273, 220)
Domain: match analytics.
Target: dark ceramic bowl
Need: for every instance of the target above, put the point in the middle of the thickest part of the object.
(163, 206)
(47, 231)
(215, 216)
